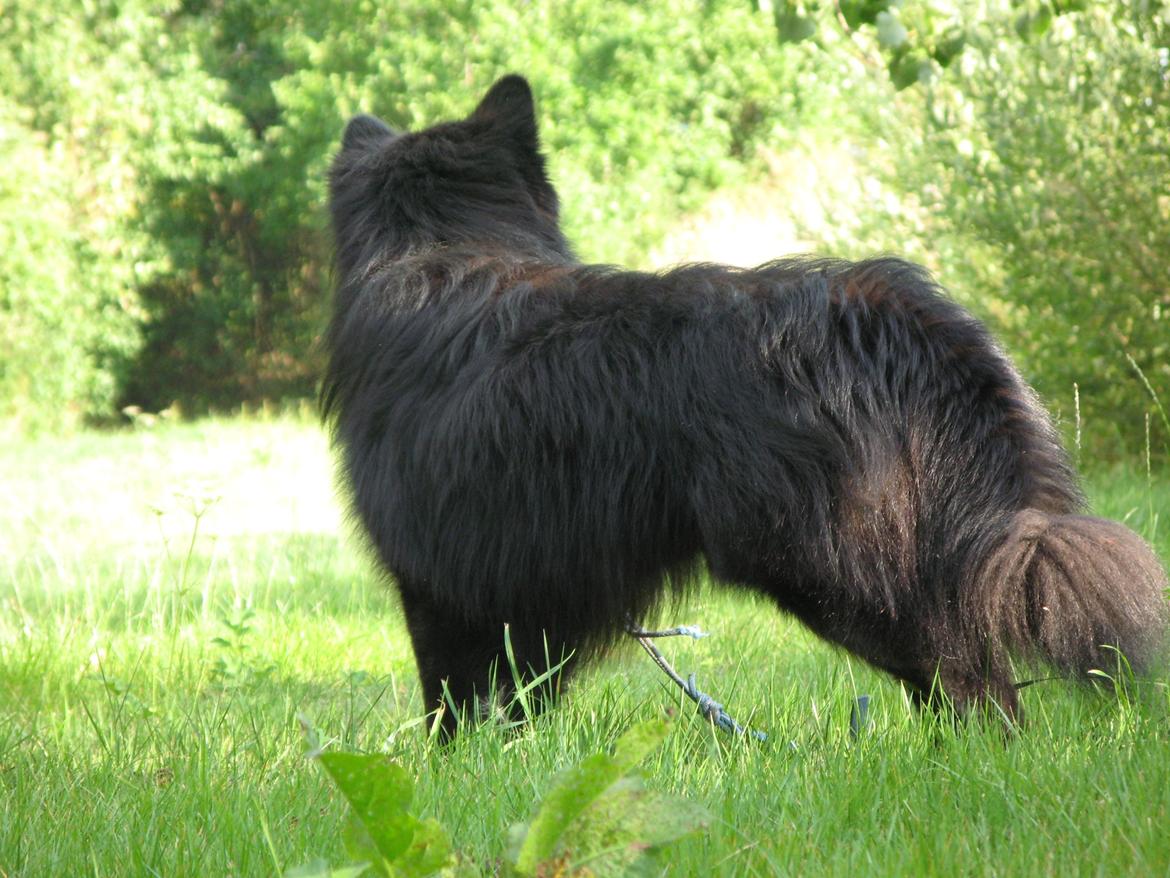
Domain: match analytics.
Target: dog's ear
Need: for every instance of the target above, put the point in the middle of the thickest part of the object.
(363, 130)
(509, 107)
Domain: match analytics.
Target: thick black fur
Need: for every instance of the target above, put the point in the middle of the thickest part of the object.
(554, 446)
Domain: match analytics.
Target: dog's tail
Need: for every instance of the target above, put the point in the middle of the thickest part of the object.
(1073, 591)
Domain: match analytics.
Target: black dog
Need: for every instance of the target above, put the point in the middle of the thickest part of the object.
(554, 446)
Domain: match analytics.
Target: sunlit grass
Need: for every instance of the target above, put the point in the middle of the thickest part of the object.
(172, 599)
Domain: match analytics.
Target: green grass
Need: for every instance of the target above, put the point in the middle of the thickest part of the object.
(172, 599)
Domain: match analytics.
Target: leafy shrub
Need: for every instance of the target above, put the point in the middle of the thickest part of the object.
(1062, 175)
(164, 166)
(1029, 147)
(204, 129)
(597, 819)
(57, 323)
(70, 249)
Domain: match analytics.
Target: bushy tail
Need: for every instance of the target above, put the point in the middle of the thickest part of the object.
(1071, 589)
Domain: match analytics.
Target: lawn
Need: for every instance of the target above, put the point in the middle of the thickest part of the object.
(177, 600)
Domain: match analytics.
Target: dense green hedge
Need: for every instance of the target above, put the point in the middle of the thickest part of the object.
(162, 166)
(1027, 143)
(68, 308)
(1062, 177)
(219, 119)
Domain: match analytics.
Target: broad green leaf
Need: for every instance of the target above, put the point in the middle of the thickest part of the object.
(577, 788)
(379, 793)
(430, 852)
(636, 744)
(620, 832)
(380, 830)
(642, 817)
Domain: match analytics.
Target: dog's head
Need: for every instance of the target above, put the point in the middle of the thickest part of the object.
(480, 181)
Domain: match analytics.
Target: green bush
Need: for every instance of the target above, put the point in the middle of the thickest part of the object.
(59, 328)
(598, 818)
(646, 106)
(164, 164)
(1061, 175)
(38, 333)
(220, 119)
(75, 115)
(1029, 147)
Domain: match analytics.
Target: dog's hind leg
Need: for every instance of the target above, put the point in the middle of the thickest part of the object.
(465, 668)
(965, 692)
(455, 659)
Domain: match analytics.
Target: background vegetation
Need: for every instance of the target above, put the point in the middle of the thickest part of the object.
(162, 164)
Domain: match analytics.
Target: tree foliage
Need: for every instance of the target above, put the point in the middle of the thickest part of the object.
(1029, 147)
(1053, 153)
(67, 247)
(201, 133)
(162, 165)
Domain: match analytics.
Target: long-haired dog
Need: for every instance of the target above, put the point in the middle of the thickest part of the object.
(553, 446)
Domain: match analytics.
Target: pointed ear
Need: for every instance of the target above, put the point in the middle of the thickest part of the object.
(508, 106)
(363, 130)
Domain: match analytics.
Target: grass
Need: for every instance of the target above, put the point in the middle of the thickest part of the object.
(172, 599)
